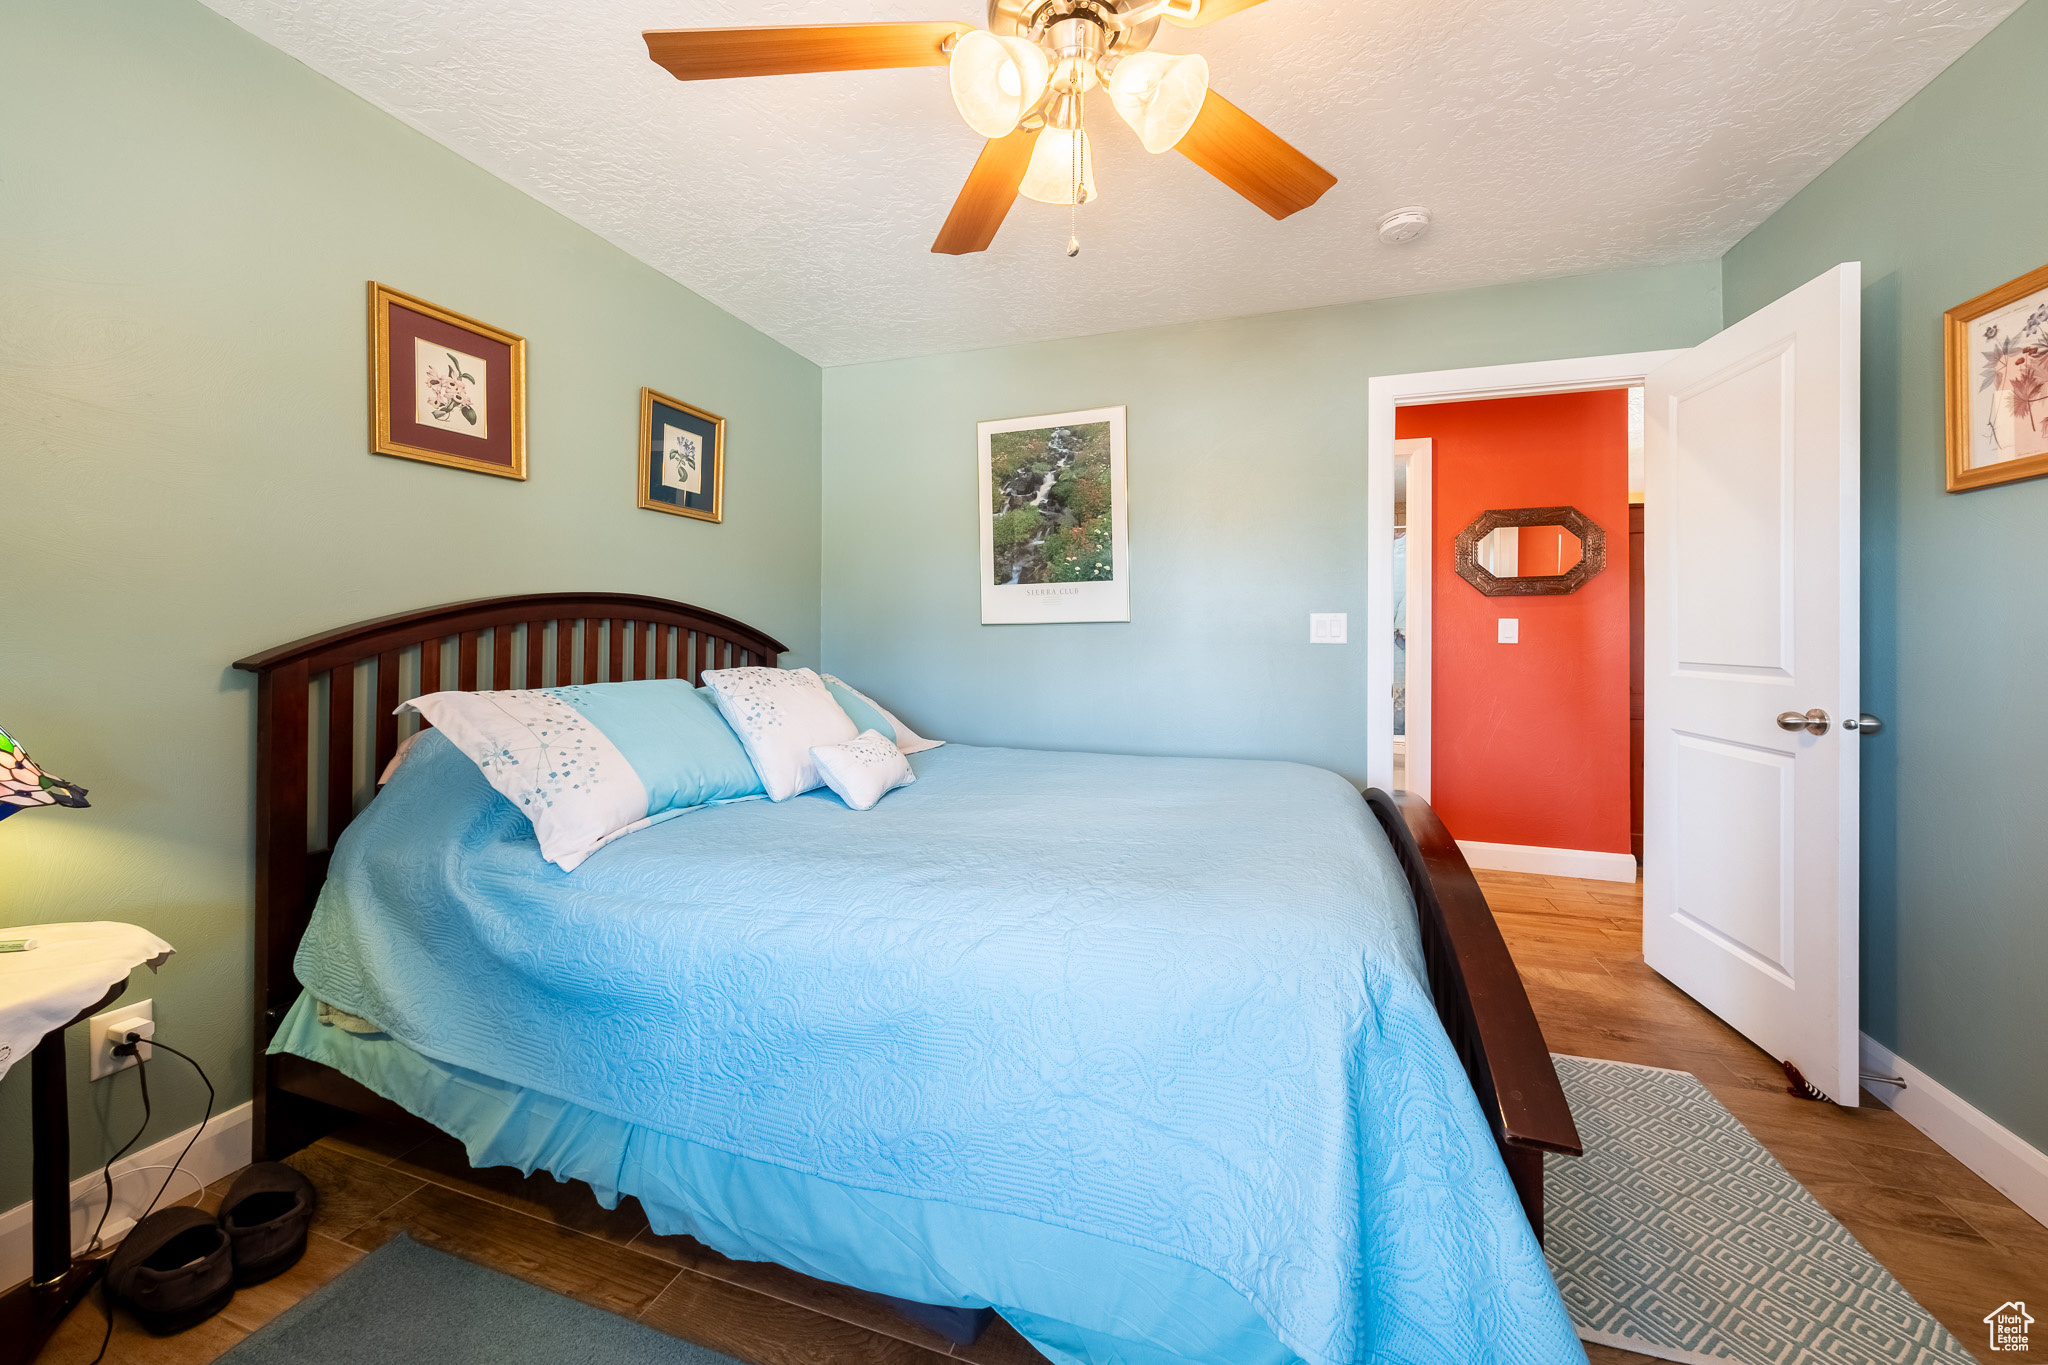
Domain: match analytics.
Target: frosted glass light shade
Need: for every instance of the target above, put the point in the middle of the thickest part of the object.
(996, 81)
(1050, 177)
(1159, 95)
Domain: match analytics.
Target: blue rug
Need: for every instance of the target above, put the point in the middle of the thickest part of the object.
(405, 1304)
(1679, 1236)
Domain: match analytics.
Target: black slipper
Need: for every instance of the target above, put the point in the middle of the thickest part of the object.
(174, 1270)
(267, 1214)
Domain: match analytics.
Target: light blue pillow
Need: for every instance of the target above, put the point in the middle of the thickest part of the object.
(589, 763)
(864, 716)
(672, 734)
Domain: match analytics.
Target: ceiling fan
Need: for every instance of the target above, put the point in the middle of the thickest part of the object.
(1019, 83)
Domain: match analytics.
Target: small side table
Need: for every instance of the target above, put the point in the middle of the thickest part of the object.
(30, 1312)
(69, 973)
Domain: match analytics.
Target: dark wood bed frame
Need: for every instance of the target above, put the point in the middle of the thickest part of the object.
(319, 749)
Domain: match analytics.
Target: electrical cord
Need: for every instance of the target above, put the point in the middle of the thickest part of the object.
(107, 1172)
(204, 1119)
(131, 1047)
(198, 1185)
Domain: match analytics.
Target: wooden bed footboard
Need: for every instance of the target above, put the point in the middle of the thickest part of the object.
(1480, 998)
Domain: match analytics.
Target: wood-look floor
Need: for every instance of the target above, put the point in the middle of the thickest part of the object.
(1959, 1246)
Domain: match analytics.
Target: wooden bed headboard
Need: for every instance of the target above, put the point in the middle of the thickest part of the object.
(325, 728)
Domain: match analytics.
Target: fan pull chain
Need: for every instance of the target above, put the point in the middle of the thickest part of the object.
(1074, 211)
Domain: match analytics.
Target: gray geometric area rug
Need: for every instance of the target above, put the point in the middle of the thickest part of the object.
(405, 1304)
(1677, 1235)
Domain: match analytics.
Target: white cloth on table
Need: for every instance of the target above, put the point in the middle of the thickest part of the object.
(71, 967)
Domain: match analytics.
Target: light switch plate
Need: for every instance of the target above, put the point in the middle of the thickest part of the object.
(1510, 630)
(104, 1062)
(1327, 627)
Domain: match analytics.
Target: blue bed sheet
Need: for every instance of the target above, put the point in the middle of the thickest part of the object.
(1167, 1014)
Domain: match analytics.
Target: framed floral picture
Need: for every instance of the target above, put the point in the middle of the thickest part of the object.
(682, 458)
(1055, 533)
(445, 388)
(1995, 350)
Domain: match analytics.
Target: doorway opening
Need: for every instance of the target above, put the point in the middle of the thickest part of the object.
(1511, 707)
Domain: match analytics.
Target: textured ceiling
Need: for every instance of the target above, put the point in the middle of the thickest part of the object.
(1548, 139)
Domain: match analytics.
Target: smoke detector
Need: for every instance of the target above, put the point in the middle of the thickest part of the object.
(1404, 225)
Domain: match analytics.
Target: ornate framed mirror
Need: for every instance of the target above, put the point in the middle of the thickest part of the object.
(1530, 551)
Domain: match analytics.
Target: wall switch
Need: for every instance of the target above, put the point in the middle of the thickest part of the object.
(1326, 627)
(1510, 630)
(101, 1026)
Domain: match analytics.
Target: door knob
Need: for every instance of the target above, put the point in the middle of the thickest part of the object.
(1867, 723)
(1814, 722)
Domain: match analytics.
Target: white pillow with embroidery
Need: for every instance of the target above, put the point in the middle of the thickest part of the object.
(548, 760)
(852, 700)
(862, 771)
(780, 714)
(590, 763)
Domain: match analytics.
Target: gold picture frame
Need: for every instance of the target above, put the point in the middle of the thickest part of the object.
(690, 441)
(1995, 363)
(468, 382)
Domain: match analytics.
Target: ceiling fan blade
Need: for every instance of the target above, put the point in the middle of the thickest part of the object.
(1211, 11)
(710, 54)
(1252, 159)
(986, 197)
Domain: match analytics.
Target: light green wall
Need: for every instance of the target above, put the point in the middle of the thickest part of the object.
(1247, 511)
(1955, 865)
(187, 221)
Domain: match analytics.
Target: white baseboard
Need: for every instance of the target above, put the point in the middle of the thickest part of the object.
(1550, 862)
(2005, 1160)
(222, 1150)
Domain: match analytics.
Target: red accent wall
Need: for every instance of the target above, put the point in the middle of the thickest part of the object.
(1530, 741)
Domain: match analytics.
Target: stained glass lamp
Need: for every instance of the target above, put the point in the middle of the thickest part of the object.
(23, 784)
(30, 1312)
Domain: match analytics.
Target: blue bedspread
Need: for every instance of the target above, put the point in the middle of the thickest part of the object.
(1172, 1005)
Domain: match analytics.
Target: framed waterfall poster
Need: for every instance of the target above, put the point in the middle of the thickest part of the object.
(1055, 530)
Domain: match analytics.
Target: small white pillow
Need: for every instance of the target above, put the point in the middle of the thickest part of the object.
(862, 771)
(779, 715)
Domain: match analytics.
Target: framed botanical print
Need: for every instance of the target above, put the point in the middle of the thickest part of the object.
(682, 458)
(445, 388)
(1995, 352)
(1055, 532)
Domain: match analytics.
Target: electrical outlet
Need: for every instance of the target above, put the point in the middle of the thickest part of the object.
(104, 1062)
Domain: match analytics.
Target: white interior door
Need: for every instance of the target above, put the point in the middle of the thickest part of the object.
(1751, 540)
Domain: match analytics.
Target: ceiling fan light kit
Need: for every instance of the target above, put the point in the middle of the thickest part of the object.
(1020, 83)
(996, 81)
(1159, 96)
(1051, 178)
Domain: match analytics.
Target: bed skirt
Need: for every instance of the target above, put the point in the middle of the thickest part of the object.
(1080, 1299)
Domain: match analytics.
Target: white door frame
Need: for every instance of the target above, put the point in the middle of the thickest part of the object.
(1421, 528)
(1384, 393)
